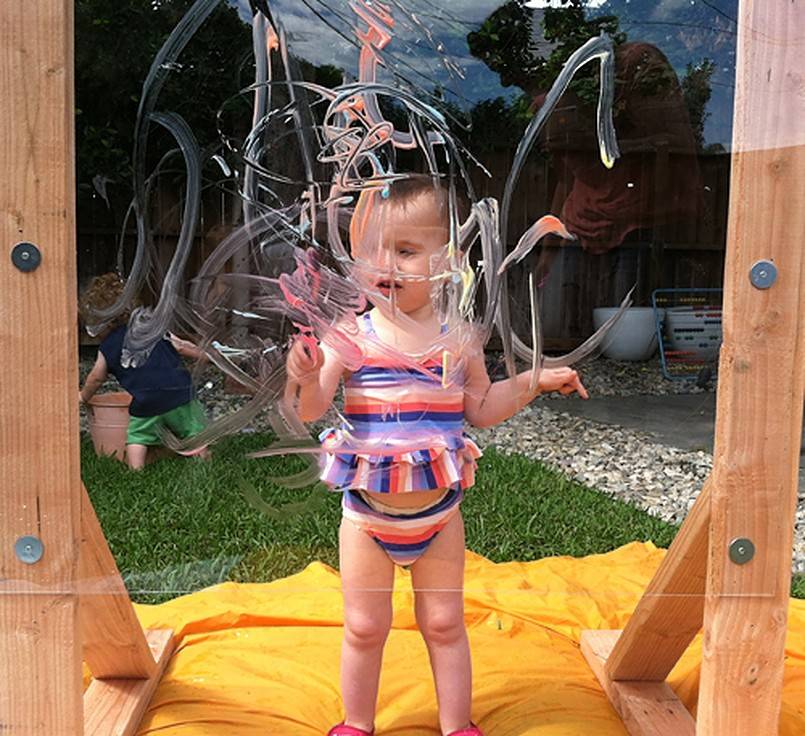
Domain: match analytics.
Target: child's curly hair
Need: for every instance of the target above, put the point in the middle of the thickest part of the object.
(101, 293)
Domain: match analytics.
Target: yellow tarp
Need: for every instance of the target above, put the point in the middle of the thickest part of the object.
(263, 658)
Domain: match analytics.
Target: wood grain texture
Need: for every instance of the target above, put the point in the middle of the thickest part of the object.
(40, 662)
(761, 381)
(114, 644)
(752, 492)
(116, 707)
(671, 611)
(646, 708)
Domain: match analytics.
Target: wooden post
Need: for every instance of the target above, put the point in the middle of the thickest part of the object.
(761, 381)
(52, 550)
(752, 492)
(40, 652)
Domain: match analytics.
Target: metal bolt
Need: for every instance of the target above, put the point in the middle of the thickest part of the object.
(26, 256)
(741, 550)
(29, 550)
(763, 274)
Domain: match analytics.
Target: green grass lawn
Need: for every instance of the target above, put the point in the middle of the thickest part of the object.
(180, 525)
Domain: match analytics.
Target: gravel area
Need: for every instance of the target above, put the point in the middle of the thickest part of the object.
(604, 377)
(630, 465)
(626, 464)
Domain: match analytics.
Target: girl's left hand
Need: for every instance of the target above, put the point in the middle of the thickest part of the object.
(563, 380)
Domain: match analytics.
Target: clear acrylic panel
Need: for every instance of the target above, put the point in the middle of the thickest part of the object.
(401, 319)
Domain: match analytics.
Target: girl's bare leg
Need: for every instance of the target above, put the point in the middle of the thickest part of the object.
(438, 580)
(367, 577)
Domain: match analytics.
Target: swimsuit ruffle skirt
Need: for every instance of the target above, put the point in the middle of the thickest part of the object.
(448, 463)
(403, 431)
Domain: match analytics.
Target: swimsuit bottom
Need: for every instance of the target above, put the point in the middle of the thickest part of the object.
(404, 534)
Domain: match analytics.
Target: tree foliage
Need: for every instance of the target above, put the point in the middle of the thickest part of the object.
(507, 43)
(116, 43)
(531, 58)
(697, 91)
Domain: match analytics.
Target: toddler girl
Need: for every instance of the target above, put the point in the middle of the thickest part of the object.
(401, 458)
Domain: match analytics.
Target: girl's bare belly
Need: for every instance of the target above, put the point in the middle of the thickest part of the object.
(413, 499)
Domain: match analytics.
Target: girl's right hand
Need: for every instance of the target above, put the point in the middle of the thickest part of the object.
(563, 380)
(302, 366)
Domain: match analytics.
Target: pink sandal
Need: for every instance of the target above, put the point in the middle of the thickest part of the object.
(473, 730)
(343, 730)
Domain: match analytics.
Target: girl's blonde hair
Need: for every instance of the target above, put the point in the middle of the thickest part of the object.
(401, 193)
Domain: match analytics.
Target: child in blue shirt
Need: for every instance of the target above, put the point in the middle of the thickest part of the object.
(161, 388)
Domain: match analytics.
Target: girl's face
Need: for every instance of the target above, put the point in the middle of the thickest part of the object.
(409, 250)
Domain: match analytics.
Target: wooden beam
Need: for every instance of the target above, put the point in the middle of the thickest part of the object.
(761, 381)
(113, 642)
(40, 656)
(671, 611)
(646, 708)
(753, 489)
(116, 707)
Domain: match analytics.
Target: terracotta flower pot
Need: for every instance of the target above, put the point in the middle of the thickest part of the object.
(108, 423)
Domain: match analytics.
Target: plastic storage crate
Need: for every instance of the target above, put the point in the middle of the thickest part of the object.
(688, 323)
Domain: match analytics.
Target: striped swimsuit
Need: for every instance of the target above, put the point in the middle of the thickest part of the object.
(403, 433)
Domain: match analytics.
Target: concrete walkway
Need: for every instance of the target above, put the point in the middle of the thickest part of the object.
(686, 421)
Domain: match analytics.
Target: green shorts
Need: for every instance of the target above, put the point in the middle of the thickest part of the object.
(184, 421)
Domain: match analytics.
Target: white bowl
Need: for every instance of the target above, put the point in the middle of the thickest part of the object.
(634, 336)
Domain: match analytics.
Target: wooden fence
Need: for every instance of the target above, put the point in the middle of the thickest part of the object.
(685, 252)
